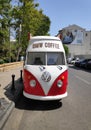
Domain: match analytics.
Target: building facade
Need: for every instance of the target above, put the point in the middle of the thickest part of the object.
(78, 41)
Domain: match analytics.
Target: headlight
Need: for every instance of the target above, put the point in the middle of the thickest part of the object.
(59, 83)
(32, 83)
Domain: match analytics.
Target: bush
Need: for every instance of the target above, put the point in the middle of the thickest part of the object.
(1, 61)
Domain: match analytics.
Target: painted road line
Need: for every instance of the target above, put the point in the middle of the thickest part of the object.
(85, 81)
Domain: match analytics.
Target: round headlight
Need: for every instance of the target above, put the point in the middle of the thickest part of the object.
(32, 83)
(59, 83)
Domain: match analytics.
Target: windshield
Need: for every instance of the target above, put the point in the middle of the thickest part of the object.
(43, 58)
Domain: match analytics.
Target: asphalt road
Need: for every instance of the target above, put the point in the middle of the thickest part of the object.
(72, 113)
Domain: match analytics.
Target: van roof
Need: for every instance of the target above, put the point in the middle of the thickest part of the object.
(45, 37)
(45, 44)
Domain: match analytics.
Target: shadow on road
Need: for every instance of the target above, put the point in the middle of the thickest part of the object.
(14, 92)
(23, 103)
(28, 104)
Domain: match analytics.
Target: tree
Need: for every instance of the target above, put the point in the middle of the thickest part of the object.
(25, 13)
(66, 49)
(5, 8)
(31, 19)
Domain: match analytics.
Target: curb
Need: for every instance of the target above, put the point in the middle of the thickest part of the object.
(13, 97)
(6, 114)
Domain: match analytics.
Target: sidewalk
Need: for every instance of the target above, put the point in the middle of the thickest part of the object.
(9, 94)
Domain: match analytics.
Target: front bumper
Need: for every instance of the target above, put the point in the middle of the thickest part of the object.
(45, 98)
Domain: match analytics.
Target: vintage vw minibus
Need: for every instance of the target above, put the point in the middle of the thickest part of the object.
(45, 74)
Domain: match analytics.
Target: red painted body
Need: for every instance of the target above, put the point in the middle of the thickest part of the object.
(37, 90)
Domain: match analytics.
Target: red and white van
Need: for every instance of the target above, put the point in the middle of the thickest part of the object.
(45, 69)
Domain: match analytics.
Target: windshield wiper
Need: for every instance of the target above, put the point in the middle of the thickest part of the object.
(41, 68)
(59, 67)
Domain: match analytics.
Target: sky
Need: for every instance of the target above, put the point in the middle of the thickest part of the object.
(63, 13)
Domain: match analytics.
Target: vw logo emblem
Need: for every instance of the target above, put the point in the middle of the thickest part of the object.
(46, 76)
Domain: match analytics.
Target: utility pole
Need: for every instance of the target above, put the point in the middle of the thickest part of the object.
(19, 50)
(20, 30)
(9, 45)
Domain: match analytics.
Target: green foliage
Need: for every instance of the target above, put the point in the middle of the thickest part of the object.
(5, 9)
(66, 49)
(25, 13)
(31, 19)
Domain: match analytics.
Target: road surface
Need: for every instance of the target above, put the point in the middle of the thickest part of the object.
(72, 113)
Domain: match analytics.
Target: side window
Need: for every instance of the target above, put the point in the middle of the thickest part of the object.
(28, 58)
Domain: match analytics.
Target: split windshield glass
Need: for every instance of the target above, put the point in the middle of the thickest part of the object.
(42, 58)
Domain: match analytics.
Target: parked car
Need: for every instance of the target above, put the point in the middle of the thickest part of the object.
(88, 65)
(83, 64)
(78, 63)
(72, 60)
(69, 60)
(75, 60)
